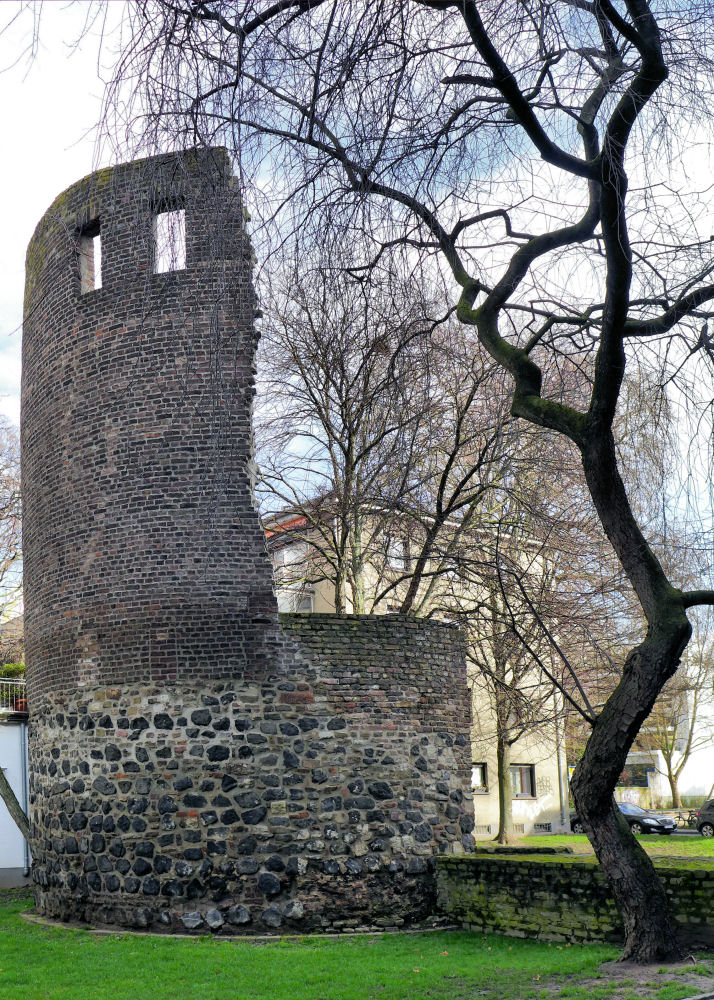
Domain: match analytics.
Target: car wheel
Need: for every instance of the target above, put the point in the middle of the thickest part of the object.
(577, 827)
(666, 833)
(706, 830)
(636, 827)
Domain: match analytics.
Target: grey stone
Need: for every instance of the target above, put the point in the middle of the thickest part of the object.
(247, 800)
(192, 920)
(380, 790)
(272, 917)
(103, 785)
(238, 915)
(253, 816)
(269, 884)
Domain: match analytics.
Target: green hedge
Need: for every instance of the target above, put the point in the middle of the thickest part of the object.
(12, 670)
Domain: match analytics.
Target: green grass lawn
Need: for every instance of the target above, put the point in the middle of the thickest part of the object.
(42, 963)
(655, 845)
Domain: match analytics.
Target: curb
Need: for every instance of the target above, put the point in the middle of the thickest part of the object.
(34, 918)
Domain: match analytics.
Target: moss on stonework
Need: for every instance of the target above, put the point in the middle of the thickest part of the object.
(563, 897)
(663, 863)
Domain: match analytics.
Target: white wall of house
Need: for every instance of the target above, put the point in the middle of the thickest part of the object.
(696, 778)
(542, 805)
(12, 843)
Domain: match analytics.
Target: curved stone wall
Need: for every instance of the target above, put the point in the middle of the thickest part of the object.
(194, 765)
(314, 799)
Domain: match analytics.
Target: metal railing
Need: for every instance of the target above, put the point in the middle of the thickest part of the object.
(13, 697)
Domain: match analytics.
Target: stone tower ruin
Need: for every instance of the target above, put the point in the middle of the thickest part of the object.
(195, 762)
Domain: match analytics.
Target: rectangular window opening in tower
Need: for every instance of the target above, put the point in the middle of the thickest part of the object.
(89, 252)
(169, 241)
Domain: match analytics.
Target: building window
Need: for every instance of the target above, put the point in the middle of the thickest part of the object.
(89, 252)
(295, 553)
(292, 554)
(479, 778)
(295, 600)
(169, 241)
(396, 557)
(523, 781)
(304, 604)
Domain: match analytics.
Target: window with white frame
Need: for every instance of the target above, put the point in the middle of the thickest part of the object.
(296, 600)
(523, 781)
(396, 554)
(290, 555)
(479, 778)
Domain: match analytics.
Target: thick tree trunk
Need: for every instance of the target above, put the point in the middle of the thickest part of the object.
(674, 788)
(649, 930)
(505, 833)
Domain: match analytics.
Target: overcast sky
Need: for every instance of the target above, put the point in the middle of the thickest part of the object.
(49, 109)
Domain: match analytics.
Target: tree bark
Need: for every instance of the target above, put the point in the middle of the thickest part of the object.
(505, 833)
(649, 931)
(650, 934)
(14, 807)
(674, 788)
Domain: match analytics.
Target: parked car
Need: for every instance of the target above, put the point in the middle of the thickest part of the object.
(640, 820)
(705, 819)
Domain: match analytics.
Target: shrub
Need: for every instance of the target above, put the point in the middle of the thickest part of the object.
(12, 670)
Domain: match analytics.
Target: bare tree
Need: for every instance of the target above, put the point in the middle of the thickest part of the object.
(507, 667)
(10, 576)
(681, 721)
(345, 401)
(532, 150)
(383, 441)
(10, 530)
(388, 469)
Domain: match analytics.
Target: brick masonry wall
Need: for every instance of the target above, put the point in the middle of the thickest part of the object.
(562, 899)
(194, 764)
(141, 544)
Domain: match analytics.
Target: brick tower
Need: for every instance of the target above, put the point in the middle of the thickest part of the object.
(194, 765)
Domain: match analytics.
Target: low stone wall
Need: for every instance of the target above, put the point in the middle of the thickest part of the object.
(315, 799)
(562, 898)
